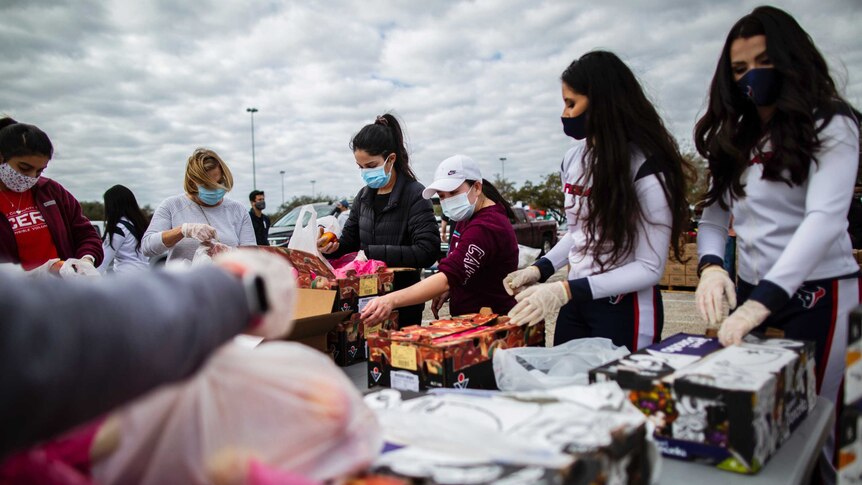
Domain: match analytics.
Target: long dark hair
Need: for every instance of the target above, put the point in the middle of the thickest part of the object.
(384, 137)
(121, 202)
(618, 116)
(731, 127)
(491, 192)
(23, 140)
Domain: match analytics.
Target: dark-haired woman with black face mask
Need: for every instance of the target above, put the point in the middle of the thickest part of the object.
(389, 220)
(625, 204)
(783, 149)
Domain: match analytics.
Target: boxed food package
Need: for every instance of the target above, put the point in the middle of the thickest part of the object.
(583, 434)
(347, 340)
(447, 353)
(675, 268)
(853, 367)
(676, 280)
(730, 407)
(850, 442)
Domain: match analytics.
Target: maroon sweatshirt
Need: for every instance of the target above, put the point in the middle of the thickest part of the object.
(482, 251)
(72, 233)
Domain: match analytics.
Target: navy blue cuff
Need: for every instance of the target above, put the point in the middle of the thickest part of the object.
(581, 291)
(546, 269)
(709, 260)
(770, 295)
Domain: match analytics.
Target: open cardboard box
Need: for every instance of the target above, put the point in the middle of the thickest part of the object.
(313, 318)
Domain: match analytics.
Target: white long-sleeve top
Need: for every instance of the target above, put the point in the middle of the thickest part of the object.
(121, 249)
(639, 270)
(787, 235)
(230, 220)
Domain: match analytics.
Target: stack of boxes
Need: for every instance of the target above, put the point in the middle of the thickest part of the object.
(850, 427)
(730, 407)
(681, 273)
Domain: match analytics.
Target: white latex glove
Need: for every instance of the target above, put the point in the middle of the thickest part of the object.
(74, 268)
(516, 280)
(539, 301)
(745, 319)
(280, 286)
(46, 270)
(201, 232)
(714, 288)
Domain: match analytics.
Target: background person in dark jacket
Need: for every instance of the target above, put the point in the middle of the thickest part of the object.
(389, 219)
(41, 222)
(259, 220)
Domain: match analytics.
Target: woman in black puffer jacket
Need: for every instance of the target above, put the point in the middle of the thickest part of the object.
(389, 219)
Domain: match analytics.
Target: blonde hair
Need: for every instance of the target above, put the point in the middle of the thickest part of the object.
(202, 160)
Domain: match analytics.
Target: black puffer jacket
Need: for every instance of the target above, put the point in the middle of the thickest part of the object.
(404, 234)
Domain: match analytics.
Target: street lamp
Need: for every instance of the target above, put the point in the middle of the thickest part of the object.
(253, 167)
(312, 189)
(282, 186)
(502, 168)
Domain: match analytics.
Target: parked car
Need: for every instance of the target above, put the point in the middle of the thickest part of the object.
(541, 234)
(99, 226)
(280, 232)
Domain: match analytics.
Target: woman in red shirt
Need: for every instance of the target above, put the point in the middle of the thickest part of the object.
(42, 223)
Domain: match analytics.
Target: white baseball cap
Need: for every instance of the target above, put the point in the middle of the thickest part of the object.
(451, 173)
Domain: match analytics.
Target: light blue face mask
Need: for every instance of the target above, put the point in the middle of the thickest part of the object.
(376, 177)
(210, 196)
(458, 207)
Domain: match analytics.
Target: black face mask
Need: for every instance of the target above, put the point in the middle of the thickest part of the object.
(575, 127)
(760, 85)
(260, 205)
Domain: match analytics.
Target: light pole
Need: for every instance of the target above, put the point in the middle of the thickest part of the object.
(312, 189)
(253, 167)
(282, 186)
(502, 168)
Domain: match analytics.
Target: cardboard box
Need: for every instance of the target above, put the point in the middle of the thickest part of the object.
(346, 342)
(674, 269)
(691, 280)
(853, 358)
(676, 280)
(453, 353)
(314, 318)
(664, 281)
(689, 250)
(730, 407)
(850, 443)
(691, 267)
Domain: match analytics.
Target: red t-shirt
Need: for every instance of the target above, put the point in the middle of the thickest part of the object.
(35, 245)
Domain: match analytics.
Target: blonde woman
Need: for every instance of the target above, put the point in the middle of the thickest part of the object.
(201, 215)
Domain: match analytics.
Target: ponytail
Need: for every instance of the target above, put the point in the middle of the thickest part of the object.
(491, 192)
(384, 137)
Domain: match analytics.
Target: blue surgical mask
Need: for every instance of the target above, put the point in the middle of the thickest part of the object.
(376, 177)
(575, 127)
(458, 207)
(760, 85)
(210, 196)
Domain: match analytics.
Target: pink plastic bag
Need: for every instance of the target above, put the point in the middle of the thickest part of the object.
(356, 264)
(282, 403)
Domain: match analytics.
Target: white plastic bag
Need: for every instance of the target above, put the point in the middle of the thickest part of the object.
(527, 255)
(305, 233)
(282, 404)
(330, 224)
(533, 368)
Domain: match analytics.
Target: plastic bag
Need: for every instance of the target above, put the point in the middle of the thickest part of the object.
(533, 368)
(283, 404)
(305, 236)
(527, 255)
(358, 265)
(329, 224)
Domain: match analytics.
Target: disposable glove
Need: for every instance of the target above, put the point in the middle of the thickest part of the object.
(277, 275)
(714, 288)
(515, 281)
(745, 319)
(201, 232)
(73, 268)
(50, 268)
(539, 301)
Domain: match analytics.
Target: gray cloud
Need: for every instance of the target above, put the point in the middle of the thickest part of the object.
(127, 90)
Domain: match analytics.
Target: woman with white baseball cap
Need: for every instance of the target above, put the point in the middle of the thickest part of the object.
(482, 251)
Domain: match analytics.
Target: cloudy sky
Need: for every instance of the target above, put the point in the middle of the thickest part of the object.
(126, 90)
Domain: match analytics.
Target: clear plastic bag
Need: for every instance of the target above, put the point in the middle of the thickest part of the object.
(533, 368)
(527, 255)
(282, 404)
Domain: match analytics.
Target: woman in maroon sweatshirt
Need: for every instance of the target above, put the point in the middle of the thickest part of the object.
(41, 223)
(482, 250)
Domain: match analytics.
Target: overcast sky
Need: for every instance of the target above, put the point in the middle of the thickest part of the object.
(127, 89)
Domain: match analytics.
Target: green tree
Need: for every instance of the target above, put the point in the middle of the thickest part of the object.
(505, 187)
(698, 186)
(93, 210)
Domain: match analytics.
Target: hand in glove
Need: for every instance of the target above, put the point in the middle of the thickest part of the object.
(745, 319)
(50, 268)
(73, 268)
(278, 281)
(437, 304)
(712, 291)
(515, 281)
(201, 232)
(537, 302)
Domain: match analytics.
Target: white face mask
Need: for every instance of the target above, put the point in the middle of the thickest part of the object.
(458, 207)
(16, 181)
